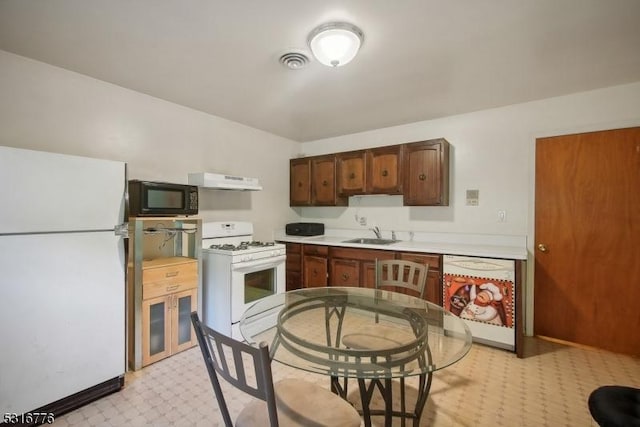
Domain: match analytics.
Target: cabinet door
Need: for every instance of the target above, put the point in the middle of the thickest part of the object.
(323, 182)
(299, 182)
(345, 272)
(294, 266)
(351, 173)
(426, 173)
(182, 334)
(368, 269)
(315, 271)
(384, 170)
(433, 292)
(156, 329)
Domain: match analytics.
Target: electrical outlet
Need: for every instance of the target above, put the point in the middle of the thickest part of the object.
(363, 221)
(502, 216)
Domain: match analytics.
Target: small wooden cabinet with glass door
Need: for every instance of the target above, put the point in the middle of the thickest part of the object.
(169, 295)
(163, 287)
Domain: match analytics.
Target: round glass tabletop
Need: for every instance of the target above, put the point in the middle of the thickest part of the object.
(356, 332)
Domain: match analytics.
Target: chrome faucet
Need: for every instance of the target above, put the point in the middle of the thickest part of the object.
(377, 232)
(393, 235)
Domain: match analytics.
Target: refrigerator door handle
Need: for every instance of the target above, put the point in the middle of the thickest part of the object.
(121, 230)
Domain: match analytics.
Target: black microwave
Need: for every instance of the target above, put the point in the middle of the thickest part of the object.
(147, 198)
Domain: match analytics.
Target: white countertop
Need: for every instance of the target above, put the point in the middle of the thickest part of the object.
(482, 245)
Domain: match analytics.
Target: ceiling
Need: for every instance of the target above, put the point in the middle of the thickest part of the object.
(421, 59)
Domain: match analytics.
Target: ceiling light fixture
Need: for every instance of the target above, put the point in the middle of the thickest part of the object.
(335, 44)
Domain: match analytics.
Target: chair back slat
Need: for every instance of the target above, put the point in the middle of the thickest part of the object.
(403, 274)
(218, 350)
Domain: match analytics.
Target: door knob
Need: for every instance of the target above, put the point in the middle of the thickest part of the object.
(542, 247)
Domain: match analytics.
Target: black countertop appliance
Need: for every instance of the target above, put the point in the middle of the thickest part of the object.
(304, 229)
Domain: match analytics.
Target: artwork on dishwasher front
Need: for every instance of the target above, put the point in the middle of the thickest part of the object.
(480, 299)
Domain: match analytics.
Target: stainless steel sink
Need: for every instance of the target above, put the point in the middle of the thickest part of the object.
(370, 241)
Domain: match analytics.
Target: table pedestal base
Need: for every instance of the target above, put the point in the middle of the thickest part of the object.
(385, 385)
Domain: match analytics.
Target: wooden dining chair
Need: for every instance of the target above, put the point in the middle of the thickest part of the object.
(289, 402)
(398, 276)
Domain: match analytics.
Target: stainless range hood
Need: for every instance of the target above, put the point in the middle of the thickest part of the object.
(224, 182)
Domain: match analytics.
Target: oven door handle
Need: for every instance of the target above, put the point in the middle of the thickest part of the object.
(253, 265)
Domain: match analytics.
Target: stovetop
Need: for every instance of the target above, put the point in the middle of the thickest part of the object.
(235, 240)
(242, 246)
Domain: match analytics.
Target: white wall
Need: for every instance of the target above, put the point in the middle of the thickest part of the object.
(492, 151)
(51, 109)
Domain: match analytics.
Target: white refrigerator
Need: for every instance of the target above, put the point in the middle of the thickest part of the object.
(62, 284)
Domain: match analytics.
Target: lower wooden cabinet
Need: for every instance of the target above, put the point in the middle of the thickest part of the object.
(355, 267)
(345, 272)
(311, 266)
(315, 267)
(166, 325)
(294, 266)
(169, 295)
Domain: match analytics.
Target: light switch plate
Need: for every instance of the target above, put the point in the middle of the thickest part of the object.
(473, 197)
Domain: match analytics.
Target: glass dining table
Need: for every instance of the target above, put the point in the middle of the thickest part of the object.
(396, 336)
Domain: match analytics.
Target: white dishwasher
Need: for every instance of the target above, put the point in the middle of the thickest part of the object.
(482, 292)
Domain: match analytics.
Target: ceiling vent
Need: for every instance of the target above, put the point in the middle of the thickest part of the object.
(294, 60)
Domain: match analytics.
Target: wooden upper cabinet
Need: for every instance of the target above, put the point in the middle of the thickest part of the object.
(313, 182)
(418, 170)
(426, 173)
(384, 170)
(323, 182)
(351, 173)
(372, 171)
(300, 182)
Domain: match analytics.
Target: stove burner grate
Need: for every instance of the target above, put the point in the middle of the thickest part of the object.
(241, 246)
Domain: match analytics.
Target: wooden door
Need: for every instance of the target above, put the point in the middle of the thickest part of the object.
(299, 182)
(384, 170)
(323, 181)
(351, 173)
(315, 271)
(345, 272)
(426, 173)
(156, 329)
(587, 234)
(182, 333)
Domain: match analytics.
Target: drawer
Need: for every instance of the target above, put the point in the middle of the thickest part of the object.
(169, 279)
(169, 271)
(294, 248)
(158, 289)
(432, 260)
(316, 250)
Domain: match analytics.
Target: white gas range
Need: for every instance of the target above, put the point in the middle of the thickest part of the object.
(237, 271)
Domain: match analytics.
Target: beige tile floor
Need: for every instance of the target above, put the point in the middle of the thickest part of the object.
(489, 387)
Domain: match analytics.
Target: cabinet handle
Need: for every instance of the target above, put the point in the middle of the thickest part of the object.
(345, 276)
(299, 184)
(325, 183)
(172, 288)
(352, 175)
(422, 177)
(385, 173)
(171, 274)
